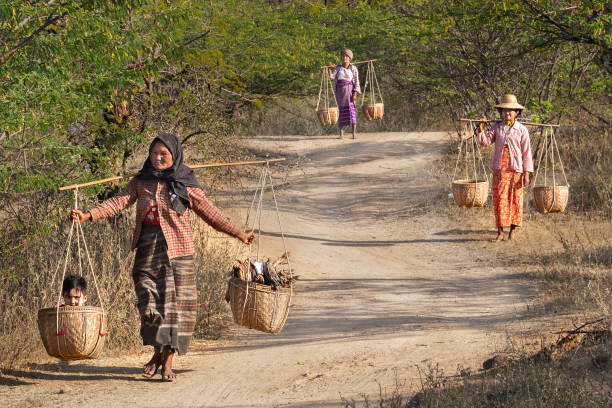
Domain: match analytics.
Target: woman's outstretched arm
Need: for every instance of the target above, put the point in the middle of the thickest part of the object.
(113, 206)
(206, 210)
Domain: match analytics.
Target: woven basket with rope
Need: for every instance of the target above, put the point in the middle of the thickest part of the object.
(257, 306)
(371, 107)
(550, 198)
(74, 332)
(470, 191)
(327, 115)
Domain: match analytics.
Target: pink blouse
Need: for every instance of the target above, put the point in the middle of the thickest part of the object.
(518, 143)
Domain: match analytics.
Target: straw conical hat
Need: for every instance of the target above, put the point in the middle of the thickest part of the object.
(509, 102)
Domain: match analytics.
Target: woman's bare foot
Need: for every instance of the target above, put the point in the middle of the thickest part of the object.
(500, 235)
(150, 369)
(498, 238)
(167, 374)
(511, 233)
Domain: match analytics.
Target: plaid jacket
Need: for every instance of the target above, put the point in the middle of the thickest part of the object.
(176, 228)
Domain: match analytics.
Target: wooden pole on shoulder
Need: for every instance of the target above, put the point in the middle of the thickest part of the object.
(194, 166)
(524, 123)
(354, 63)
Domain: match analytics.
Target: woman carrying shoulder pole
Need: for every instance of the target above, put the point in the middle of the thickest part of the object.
(511, 165)
(164, 191)
(346, 89)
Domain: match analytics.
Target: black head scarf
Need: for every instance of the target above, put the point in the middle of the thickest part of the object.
(178, 177)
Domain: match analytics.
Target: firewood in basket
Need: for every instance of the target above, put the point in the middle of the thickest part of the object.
(241, 271)
(282, 258)
(271, 275)
(276, 274)
(289, 281)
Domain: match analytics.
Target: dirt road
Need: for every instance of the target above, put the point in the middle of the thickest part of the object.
(386, 288)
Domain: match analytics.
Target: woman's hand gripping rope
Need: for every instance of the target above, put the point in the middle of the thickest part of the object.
(525, 179)
(80, 216)
(247, 237)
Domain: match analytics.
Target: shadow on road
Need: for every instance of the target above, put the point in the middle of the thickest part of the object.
(75, 372)
(383, 313)
(373, 243)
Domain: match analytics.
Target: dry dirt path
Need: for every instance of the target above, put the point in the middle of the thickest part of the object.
(385, 289)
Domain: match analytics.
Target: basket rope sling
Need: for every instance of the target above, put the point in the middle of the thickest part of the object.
(373, 110)
(254, 305)
(470, 191)
(74, 332)
(327, 115)
(550, 199)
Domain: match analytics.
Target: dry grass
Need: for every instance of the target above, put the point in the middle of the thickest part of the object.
(579, 277)
(578, 380)
(587, 156)
(213, 259)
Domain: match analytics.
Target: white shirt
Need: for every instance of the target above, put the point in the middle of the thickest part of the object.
(343, 74)
(347, 74)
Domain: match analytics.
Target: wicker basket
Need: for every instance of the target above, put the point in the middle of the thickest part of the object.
(373, 111)
(470, 193)
(265, 310)
(328, 116)
(79, 335)
(551, 199)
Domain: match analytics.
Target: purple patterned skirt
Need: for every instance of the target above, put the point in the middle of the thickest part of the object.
(348, 114)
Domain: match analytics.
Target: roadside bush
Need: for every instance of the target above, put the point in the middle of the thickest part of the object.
(213, 260)
(587, 155)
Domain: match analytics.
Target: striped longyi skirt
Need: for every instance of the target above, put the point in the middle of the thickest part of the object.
(346, 108)
(166, 292)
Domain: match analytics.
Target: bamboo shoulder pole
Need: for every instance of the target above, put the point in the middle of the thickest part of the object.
(195, 166)
(524, 123)
(354, 63)
(245, 163)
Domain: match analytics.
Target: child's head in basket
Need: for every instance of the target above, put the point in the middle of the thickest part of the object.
(74, 291)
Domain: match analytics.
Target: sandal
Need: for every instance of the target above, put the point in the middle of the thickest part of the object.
(166, 361)
(147, 373)
(170, 377)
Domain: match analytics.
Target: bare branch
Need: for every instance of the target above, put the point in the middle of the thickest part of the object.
(584, 108)
(197, 132)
